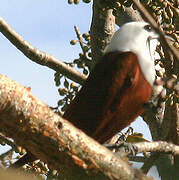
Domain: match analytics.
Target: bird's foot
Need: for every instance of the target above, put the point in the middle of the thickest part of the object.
(27, 158)
(122, 148)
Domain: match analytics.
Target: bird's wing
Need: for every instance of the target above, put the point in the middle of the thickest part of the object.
(95, 104)
(120, 107)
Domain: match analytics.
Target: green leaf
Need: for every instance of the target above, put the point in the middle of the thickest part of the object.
(60, 102)
(66, 83)
(85, 72)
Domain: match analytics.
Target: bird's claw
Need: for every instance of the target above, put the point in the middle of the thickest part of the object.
(123, 147)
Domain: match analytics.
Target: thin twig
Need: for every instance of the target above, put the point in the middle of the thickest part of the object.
(7, 153)
(153, 23)
(80, 39)
(78, 34)
(8, 141)
(38, 56)
(137, 158)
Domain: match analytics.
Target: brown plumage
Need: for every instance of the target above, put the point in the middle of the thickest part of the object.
(111, 98)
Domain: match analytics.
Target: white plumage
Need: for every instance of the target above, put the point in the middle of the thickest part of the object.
(137, 38)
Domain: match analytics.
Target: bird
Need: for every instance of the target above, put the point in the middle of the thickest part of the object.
(117, 88)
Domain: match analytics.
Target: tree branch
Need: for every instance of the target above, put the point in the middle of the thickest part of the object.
(127, 16)
(153, 23)
(101, 30)
(33, 125)
(78, 34)
(38, 56)
(7, 141)
(158, 146)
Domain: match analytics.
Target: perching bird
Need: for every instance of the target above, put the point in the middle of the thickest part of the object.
(117, 88)
(120, 84)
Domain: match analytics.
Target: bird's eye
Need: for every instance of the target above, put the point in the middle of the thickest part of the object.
(148, 28)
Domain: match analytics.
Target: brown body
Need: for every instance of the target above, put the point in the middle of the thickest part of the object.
(111, 98)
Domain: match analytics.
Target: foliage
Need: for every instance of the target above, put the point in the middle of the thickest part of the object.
(68, 89)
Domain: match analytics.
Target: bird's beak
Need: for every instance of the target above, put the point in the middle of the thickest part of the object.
(152, 44)
(156, 36)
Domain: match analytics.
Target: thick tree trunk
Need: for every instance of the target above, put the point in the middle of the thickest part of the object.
(101, 31)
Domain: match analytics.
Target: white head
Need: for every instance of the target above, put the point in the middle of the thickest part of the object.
(136, 37)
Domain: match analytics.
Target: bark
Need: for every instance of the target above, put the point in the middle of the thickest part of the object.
(127, 16)
(33, 125)
(101, 31)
